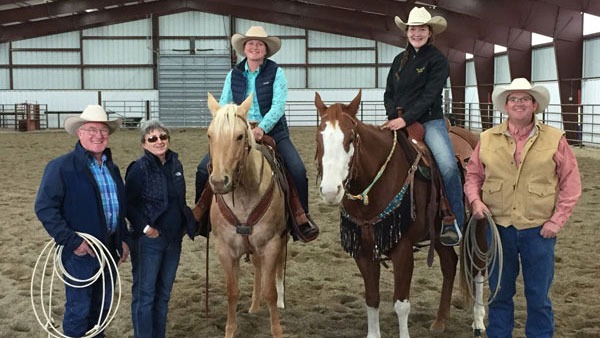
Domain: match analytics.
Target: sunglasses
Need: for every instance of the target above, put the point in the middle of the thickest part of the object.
(154, 138)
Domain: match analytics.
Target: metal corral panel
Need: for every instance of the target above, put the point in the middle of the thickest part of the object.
(117, 52)
(194, 24)
(591, 66)
(184, 81)
(133, 28)
(118, 78)
(65, 40)
(543, 64)
(341, 77)
(47, 78)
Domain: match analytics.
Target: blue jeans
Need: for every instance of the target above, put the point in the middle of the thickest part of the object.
(82, 306)
(291, 161)
(537, 261)
(154, 264)
(438, 141)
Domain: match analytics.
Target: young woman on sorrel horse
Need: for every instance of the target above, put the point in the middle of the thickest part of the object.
(385, 209)
(248, 213)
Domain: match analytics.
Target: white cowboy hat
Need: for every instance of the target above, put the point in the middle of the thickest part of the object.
(419, 16)
(92, 113)
(256, 33)
(539, 93)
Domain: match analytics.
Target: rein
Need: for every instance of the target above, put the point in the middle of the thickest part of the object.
(364, 196)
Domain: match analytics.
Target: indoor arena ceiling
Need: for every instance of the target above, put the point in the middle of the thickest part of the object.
(474, 26)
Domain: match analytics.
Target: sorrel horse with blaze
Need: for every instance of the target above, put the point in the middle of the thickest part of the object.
(385, 207)
(248, 214)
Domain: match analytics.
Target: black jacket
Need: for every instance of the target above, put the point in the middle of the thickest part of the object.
(417, 87)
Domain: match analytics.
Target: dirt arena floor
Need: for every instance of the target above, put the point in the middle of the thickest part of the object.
(324, 293)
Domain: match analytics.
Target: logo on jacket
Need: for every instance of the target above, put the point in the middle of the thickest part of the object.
(420, 70)
(178, 173)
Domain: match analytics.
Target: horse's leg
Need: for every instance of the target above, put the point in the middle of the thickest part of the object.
(370, 271)
(448, 261)
(281, 274)
(269, 267)
(403, 262)
(231, 268)
(256, 293)
(478, 307)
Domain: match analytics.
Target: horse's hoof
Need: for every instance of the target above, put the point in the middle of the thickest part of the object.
(477, 333)
(437, 328)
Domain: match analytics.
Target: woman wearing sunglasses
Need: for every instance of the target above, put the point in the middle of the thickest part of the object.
(159, 216)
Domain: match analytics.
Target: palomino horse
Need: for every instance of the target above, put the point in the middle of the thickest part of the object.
(385, 209)
(248, 214)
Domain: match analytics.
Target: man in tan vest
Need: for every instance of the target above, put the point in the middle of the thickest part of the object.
(525, 175)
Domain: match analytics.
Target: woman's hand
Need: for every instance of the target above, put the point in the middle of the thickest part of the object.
(396, 124)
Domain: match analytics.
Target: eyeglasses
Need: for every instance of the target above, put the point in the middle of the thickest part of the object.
(154, 138)
(94, 131)
(524, 99)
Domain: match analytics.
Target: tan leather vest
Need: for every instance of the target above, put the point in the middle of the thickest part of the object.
(523, 196)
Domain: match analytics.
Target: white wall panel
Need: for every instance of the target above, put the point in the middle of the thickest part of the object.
(65, 40)
(4, 81)
(292, 51)
(501, 69)
(382, 73)
(341, 56)
(387, 53)
(326, 40)
(272, 29)
(45, 58)
(470, 77)
(47, 78)
(194, 24)
(543, 64)
(296, 77)
(590, 94)
(341, 77)
(133, 28)
(4, 53)
(591, 66)
(119, 78)
(117, 52)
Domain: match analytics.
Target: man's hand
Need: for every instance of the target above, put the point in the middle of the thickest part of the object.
(84, 249)
(125, 253)
(478, 208)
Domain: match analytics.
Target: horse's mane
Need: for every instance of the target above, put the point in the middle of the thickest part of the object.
(224, 120)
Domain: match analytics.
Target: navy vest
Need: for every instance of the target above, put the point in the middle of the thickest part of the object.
(264, 92)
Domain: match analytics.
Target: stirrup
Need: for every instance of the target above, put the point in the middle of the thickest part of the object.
(450, 240)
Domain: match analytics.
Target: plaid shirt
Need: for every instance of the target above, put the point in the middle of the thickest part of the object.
(108, 192)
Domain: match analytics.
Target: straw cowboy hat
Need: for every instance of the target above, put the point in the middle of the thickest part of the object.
(256, 33)
(539, 93)
(419, 16)
(92, 113)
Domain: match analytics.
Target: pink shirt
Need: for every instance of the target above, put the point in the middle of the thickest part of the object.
(569, 182)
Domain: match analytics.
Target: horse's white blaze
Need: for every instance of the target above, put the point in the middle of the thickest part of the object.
(280, 293)
(402, 309)
(478, 308)
(336, 162)
(373, 322)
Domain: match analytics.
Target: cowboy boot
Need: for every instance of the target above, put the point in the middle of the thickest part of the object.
(202, 211)
(302, 225)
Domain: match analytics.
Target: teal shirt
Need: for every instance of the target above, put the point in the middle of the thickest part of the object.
(277, 110)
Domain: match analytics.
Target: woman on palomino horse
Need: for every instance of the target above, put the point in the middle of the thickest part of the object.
(258, 75)
(414, 94)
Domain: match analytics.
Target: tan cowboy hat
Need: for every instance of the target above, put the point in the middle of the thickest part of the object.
(92, 113)
(539, 93)
(419, 16)
(256, 33)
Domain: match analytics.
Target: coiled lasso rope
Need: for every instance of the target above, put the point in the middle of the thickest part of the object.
(54, 252)
(490, 257)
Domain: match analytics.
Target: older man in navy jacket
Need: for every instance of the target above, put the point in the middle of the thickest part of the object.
(83, 192)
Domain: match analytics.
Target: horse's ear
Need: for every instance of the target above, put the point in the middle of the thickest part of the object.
(213, 105)
(321, 107)
(245, 106)
(353, 106)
